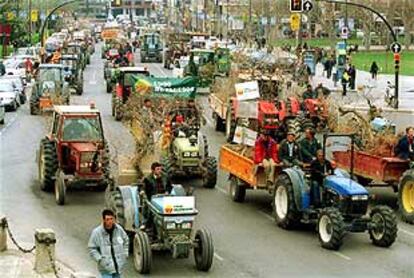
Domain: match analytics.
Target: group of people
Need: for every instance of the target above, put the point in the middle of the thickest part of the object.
(306, 153)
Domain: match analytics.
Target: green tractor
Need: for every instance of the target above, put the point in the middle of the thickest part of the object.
(72, 72)
(205, 67)
(151, 48)
(164, 223)
(77, 49)
(188, 154)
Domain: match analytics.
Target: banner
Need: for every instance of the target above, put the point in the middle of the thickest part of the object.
(245, 136)
(247, 109)
(165, 86)
(247, 90)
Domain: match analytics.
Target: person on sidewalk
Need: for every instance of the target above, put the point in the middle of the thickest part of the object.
(335, 76)
(109, 246)
(352, 76)
(344, 81)
(374, 70)
(265, 154)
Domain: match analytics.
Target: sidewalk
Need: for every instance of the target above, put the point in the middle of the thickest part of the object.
(375, 89)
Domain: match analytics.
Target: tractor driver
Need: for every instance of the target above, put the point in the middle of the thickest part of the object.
(157, 182)
(320, 168)
(76, 130)
(405, 146)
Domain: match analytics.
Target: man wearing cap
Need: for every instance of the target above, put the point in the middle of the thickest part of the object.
(265, 154)
(320, 168)
(289, 152)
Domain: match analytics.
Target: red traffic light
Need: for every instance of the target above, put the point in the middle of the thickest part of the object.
(397, 57)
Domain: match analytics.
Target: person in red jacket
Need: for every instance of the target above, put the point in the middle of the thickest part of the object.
(265, 154)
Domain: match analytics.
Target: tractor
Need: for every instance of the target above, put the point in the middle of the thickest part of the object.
(74, 153)
(164, 223)
(222, 62)
(188, 153)
(124, 83)
(49, 89)
(316, 112)
(343, 208)
(151, 48)
(72, 72)
(78, 50)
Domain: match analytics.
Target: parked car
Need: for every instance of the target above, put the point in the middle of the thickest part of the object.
(19, 84)
(15, 66)
(2, 114)
(9, 95)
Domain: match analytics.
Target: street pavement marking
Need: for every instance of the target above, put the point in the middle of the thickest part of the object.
(218, 257)
(339, 254)
(266, 215)
(406, 232)
(222, 190)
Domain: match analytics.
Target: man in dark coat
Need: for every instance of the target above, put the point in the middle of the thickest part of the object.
(308, 146)
(320, 168)
(405, 146)
(156, 182)
(289, 152)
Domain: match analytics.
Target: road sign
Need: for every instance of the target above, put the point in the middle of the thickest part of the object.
(34, 15)
(295, 22)
(396, 47)
(344, 32)
(296, 5)
(307, 6)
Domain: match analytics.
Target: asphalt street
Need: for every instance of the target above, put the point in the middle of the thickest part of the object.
(247, 241)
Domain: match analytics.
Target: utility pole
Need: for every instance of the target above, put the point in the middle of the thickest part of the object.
(250, 23)
(227, 20)
(30, 21)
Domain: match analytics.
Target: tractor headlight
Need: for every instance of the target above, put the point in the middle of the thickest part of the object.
(359, 198)
(186, 154)
(170, 226)
(194, 154)
(186, 225)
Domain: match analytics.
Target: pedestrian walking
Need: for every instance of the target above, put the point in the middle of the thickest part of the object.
(344, 81)
(335, 75)
(109, 246)
(374, 70)
(352, 76)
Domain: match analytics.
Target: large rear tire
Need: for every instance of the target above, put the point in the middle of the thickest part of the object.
(331, 228)
(116, 203)
(142, 253)
(406, 196)
(210, 178)
(287, 215)
(34, 106)
(237, 190)
(384, 231)
(204, 250)
(47, 164)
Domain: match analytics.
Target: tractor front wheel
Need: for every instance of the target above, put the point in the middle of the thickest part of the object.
(331, 228)
(60, 188)
(237, 191)
(204, 250)
(384, 226)
(406, 197)
(286, 214)
(142, 253)
(210, 177)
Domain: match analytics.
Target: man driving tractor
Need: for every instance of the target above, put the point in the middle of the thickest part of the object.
(320, 168)
(156, 182)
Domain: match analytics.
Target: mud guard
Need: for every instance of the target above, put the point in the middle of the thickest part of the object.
(131, 204)
(297, 177)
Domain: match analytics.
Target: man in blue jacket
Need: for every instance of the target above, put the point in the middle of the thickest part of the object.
(405, 146)
(109, 246)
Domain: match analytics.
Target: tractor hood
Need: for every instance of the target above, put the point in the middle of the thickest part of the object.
(184, 145)
(84, 147)
(344, 186)
(174, 205)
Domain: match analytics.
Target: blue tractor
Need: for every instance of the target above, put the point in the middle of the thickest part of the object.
(343, 207)
(164, 223)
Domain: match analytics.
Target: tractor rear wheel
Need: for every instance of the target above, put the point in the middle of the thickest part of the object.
(230, 126)
(60, 188)
(167, 167)
(142, 253)
(108, 87)
(287, 215)
(116, 204)
(204, 250)
(117, 111)
(384, 231)
(331, 228)
(47, 164)
(220, 125)
(406, 196)
(34, 106)
(210, 177)
(237, 190)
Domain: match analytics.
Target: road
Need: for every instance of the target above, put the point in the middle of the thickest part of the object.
(247, 241)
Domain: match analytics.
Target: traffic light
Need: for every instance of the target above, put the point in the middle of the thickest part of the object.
(397, 61)
(296, 6)
(116, 3)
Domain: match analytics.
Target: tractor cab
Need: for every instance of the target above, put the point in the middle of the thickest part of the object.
(72, 72)
(222, 61)
(288, 109)
(151, 47)
(125, 80)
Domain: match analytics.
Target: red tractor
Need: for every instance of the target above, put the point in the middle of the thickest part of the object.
(74, 153)
(316, 111)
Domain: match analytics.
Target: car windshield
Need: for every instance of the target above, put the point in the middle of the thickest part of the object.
(151, 39)
(73, 49)
(70, 63)
(50, 74)
(82, 129)
(6, 86)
